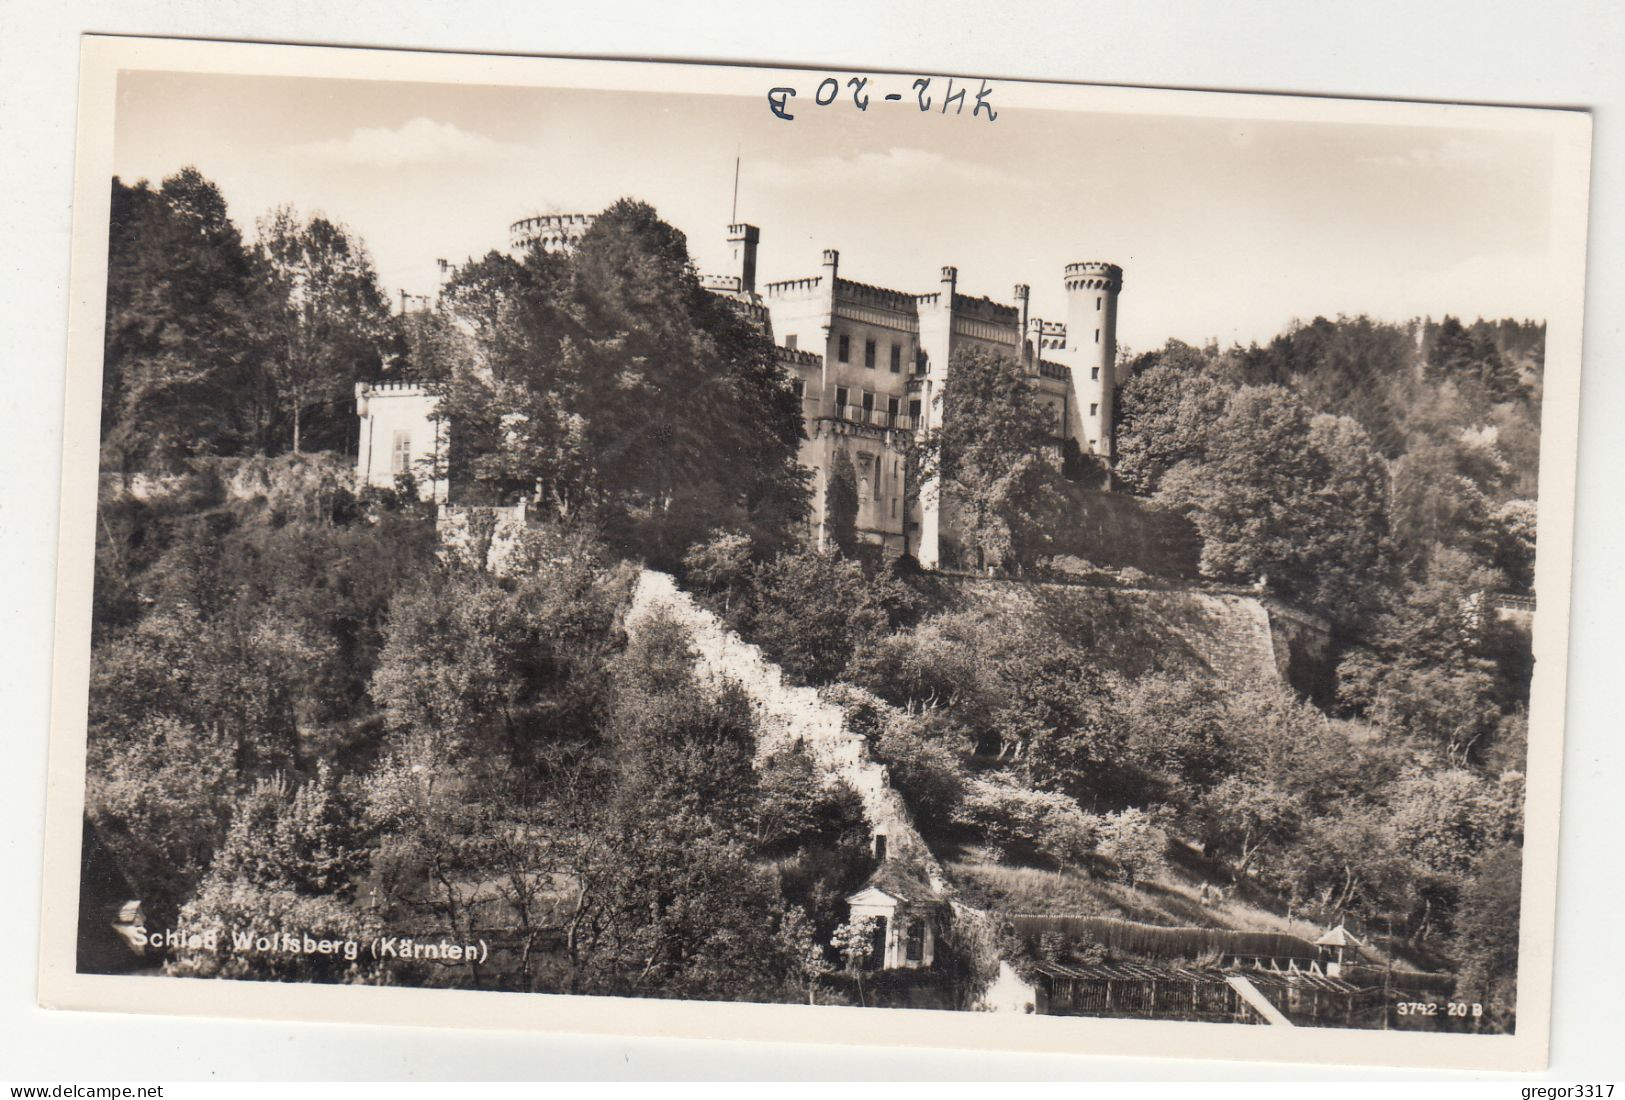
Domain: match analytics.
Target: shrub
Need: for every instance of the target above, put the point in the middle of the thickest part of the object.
(923, 768)
(810, 612)
(1134, 841)
(1020, 822)
(719, 565)
(794, 809)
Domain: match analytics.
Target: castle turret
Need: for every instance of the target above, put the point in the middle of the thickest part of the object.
(1091, 328)
(552, 233)
(742, 242)
(1029, 350)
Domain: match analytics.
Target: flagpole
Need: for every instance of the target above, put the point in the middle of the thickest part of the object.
(734, 217)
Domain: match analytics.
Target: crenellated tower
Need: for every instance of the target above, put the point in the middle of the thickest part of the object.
(1091, 329)
(742, 242)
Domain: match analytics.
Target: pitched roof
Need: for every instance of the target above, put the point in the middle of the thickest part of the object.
(895, 880)
(1338, 937)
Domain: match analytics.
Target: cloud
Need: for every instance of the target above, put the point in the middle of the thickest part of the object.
(895, 170)
(1450, 152)
(420, 141)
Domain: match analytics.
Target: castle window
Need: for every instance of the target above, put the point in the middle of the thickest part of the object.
(892, 406)
(1094, 409)
(1094, 374)
(869, 354)
(840, 402)
(1098, 301)
(868, 405)
(914, 410)
(1097, 336)
(400, 453)
(801, 389)
(790, 341)
(843, 349)
(897, 359)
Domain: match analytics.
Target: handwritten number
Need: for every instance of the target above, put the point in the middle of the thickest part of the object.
(856, 84)
(980, 105)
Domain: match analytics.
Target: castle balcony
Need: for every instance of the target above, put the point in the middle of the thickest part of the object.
(874, 418)
(915, 383)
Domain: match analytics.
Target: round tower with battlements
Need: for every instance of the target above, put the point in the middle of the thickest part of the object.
(552, 232)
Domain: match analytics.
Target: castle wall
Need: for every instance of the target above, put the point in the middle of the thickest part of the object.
(1230, 637)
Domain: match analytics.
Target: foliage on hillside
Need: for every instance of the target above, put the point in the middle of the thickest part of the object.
(301, 713)
(609, 383)
(216, 347)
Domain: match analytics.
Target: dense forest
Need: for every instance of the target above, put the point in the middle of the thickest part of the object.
(305, 712)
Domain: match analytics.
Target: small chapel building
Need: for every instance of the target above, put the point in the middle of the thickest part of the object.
(907, 913)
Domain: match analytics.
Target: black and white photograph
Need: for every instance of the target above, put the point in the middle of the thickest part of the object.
(930, 551)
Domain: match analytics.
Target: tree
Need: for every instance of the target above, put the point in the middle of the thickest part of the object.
(809, 966)
(719, 566)
(811, 612)
(1282, 495)
(1462, 355)
(1343, 523)
(183, 344)
(1163, 413)
(923, 767)
(517, 666)
(1245, 495)
(1346, 862)
(1246, 818)
(1134, 841)
(997, 462)
(288, 866)
(841, 504)
(1351, 367)
(431, 817)
(610, 380)
(1444, 820)
(795, 810)
(1486, 940)
(854, 941)
(231, 678)
(160, 794)
(331, 316)
(1019, 822)
(679, 745)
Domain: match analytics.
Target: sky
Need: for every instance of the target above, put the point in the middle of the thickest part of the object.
(1227, 229)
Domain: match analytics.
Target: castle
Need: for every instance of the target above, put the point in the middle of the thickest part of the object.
(870, 365)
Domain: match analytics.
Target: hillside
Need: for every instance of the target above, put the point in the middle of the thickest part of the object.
(1229, 636)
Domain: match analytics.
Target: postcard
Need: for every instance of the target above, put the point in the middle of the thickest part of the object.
(848, 557)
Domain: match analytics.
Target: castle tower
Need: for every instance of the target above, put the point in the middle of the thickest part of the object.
(742, 242)
(1029, 351)
(1091, 330)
